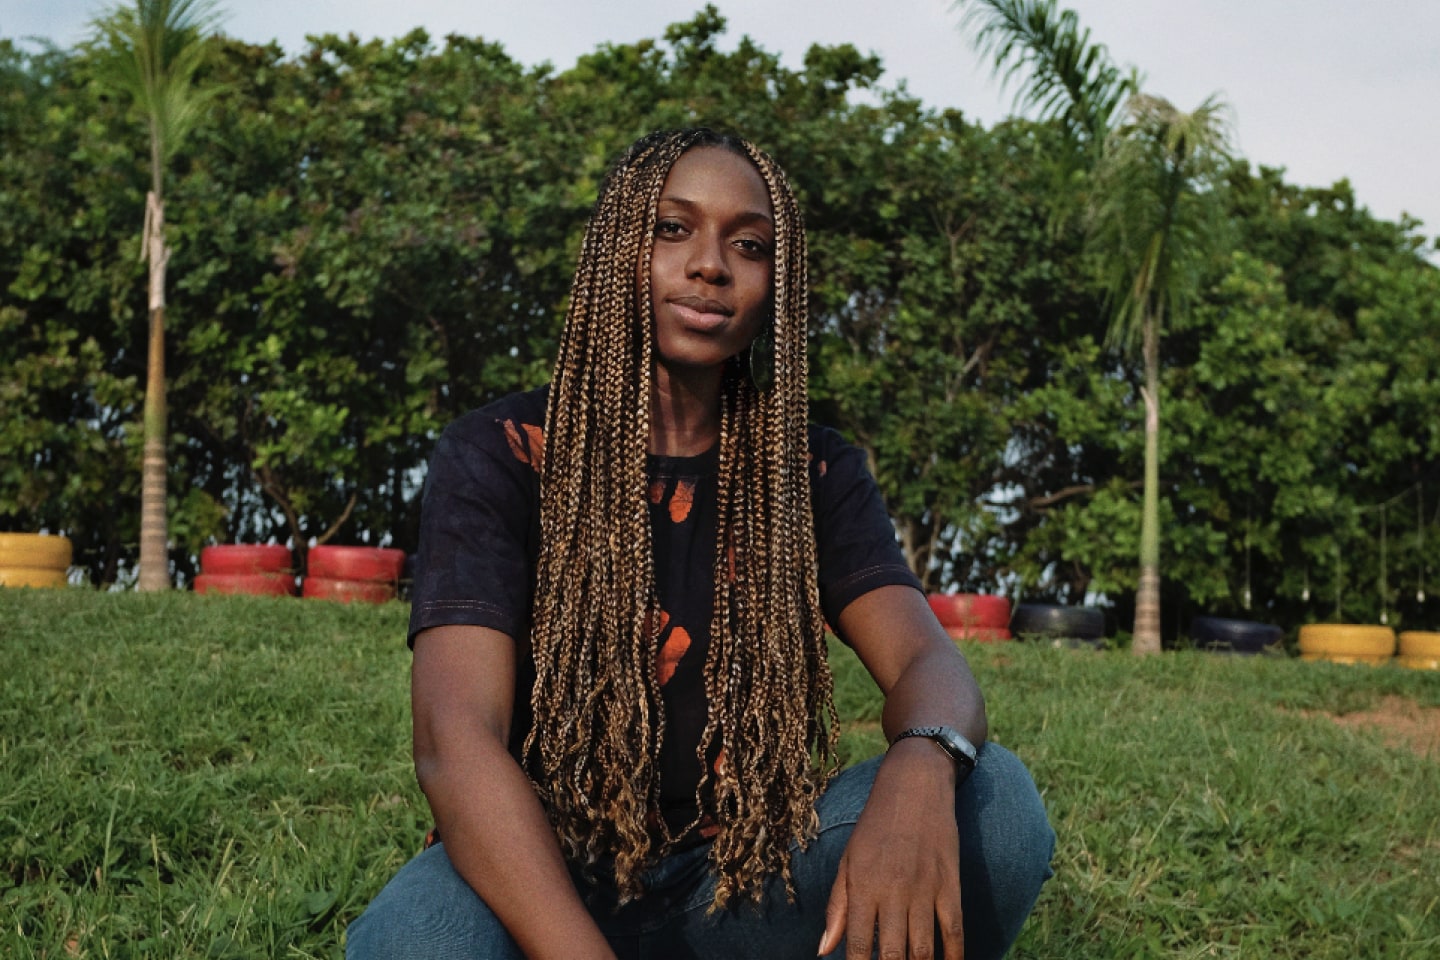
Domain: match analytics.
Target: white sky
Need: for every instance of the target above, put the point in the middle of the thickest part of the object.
(1325, 88)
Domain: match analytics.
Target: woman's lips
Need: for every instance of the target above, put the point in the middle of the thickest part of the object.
(699, 313)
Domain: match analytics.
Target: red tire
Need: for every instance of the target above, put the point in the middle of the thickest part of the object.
(239, 558)
(255, 584)
(981, 634)
(970, 610)
(374, 564)
(348, 591)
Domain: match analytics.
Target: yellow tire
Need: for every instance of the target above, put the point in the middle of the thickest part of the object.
(35, 550)
(1419, 663)
(1369, 659)
(1420, 643)
(31, 577)
(1347, 640)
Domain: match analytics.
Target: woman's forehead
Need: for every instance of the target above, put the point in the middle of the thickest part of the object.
(715, 176)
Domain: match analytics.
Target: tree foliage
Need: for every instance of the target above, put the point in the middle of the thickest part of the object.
(373, 237)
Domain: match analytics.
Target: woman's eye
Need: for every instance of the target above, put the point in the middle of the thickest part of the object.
(752, 246)
(668, 228)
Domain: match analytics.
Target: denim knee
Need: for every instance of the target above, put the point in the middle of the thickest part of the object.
(428, 912)
(1006, 843)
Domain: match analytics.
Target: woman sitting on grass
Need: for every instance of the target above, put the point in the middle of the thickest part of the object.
(623, 712)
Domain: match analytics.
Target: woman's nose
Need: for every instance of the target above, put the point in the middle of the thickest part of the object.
(707, 259)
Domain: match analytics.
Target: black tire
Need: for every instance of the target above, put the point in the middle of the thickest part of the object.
(1233, 636)
(1057, 620)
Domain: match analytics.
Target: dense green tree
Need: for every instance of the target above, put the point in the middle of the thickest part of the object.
(69, 380)
(952, 289)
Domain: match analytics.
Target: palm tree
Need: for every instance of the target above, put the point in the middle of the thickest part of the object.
(151, 52)
(1153, 211)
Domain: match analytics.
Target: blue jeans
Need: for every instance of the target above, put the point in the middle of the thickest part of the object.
(427, 912)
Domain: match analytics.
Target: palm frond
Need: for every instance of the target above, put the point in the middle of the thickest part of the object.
(1062, 74)
(151, 52)
(1154, 220)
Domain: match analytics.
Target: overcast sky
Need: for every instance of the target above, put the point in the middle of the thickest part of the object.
(1326, 89)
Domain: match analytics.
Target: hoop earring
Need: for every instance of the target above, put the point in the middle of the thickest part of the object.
(762, 358)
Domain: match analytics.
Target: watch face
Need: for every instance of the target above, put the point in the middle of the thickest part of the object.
(962, 751)
(956, 746)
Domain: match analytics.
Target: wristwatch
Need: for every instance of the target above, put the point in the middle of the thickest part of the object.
(962, 751)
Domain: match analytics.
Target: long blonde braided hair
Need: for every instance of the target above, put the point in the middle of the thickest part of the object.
(594, 744)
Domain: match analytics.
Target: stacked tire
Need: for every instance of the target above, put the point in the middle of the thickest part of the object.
(972, 616)
(264, 570)
(1224, 635)
(35, 560)
(1419, 650)
(1347, 643)
(1059, 625)
(353, 574)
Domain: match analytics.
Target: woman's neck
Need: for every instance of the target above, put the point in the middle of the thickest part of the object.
(684, 413)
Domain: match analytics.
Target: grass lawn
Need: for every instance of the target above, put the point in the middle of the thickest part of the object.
(229, 777)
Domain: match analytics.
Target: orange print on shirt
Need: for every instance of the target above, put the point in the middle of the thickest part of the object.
(681, 500)
(671, 654)
(531, 453)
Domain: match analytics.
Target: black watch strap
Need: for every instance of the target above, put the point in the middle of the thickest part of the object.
(961, 750)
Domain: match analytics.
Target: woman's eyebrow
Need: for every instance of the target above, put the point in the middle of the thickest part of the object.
(747, 217)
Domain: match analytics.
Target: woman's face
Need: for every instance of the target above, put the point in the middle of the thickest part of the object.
(713, 262)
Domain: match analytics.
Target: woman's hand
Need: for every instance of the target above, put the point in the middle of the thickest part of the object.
(899, 879)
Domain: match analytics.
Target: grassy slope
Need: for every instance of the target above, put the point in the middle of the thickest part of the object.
(229, 777)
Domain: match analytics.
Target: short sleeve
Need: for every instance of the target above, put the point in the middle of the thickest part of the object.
(855, 539)
(479, 521)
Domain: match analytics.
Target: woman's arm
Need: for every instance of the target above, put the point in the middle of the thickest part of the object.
(900, 874)
(491, 822)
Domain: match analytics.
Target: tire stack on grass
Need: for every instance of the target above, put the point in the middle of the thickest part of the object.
(1419, 650)
(1347, 643)
(1223, 635)
(972, 616)
(258, 569)
(353, 574)
(1059, 625)
(34, 560)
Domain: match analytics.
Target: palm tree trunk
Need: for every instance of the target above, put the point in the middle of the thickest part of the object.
(1147, 595)
(154, 545)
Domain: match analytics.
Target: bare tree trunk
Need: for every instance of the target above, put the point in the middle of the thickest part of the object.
(154, 537)
(1147, 595)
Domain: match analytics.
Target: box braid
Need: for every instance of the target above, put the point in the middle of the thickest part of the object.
(593, 748)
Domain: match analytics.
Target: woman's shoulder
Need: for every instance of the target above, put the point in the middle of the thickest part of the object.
(526, 406)
(524, 411)
(829, 447)
(508, 428)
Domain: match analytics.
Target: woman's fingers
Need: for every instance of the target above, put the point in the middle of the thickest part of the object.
(950, 921)
(836, 911)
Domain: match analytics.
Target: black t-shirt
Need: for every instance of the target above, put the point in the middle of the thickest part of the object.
(480, 540)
